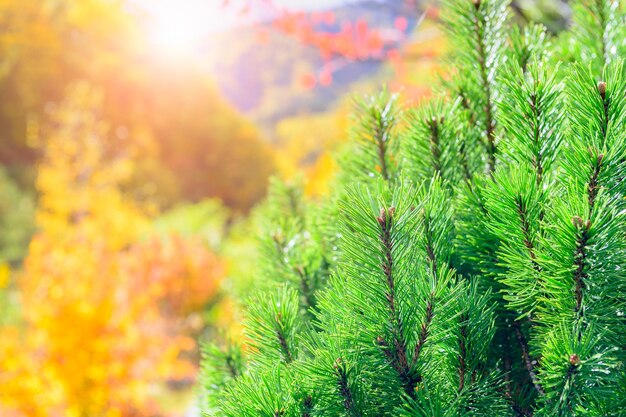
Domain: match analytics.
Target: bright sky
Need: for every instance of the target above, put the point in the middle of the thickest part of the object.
(309, 4)
(181, 25)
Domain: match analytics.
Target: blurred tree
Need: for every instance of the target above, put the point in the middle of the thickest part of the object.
(305, 143)
(212, 151)
(78, 184)
(44, 45)
(17, 213)
(182, 130)
(207, 220)
(105, 314)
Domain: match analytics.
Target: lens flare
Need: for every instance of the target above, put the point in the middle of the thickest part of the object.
(180, 27)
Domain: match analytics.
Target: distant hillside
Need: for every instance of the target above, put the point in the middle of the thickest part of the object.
(262, 78)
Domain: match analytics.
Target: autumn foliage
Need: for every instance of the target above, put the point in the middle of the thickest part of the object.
(168, 118)
(105, 308)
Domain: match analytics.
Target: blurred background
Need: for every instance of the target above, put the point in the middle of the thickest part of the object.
(137, 138)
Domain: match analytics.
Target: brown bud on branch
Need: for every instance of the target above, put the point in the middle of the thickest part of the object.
(577, 222)
(602, 89)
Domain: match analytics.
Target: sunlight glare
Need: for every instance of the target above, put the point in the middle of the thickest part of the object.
(180, 27)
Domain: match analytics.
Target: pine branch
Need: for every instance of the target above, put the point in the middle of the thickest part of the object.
(434, 131)
(467, 175)
(544, 232)
(580, 261)
(522, 211)
(532, 117)
(462, 355)
(597, 31)
(292, 248)
(529, 43)
(528, 362)
(478, 27)
(423, 334)
(398, 351)
(263, 393)
(516, 205)
(344, 389)
(468, 139)
(381, 142)
(577, 372)
(374, 150)
(486, 86)
(220, 367)
(272, 326)
(388, 272)
(306, 288)
(593, 186)
(435, 150)
(282, 340)
(586, 247)
(477, 388)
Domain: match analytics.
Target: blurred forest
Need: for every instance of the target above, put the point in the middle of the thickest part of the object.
(132, 173)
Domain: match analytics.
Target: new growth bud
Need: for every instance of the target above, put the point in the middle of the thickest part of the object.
(577, 222)
(574, 359)
(382, 218)
(602, 89)
(385, 214)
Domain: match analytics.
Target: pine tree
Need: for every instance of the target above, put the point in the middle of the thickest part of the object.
(470, 259)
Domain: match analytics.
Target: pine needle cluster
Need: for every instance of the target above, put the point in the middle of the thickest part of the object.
(470, 261)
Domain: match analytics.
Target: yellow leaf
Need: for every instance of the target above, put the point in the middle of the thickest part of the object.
(5, 275)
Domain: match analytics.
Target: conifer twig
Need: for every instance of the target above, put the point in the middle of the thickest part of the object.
(344, 389)
(282, 341)
(433, 124)
(527, 360)
(398, 354)
(580, 258)
(482, 61)
(423, 331)
(462, 349)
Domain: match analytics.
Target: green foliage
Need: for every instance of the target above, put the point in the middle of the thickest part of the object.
(207, 219)
(596, 143)
(220, 366)
(291, 243)
(528, 42)
(531, 117)
(275, 314)
(515, 203)
(264, 394)
(478, 268)
(597, 36)
(375, 144)
(17, 219)
(478, 31)
(433, 130)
